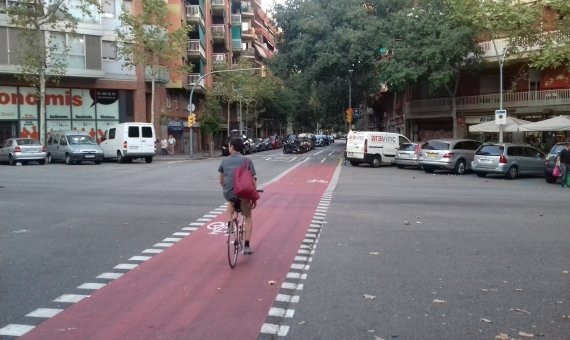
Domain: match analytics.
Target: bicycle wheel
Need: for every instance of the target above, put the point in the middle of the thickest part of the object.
(233, 243)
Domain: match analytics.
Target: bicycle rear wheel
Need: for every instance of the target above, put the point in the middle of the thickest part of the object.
(233, 243)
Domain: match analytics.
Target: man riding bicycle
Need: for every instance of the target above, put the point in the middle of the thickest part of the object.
(227, 170)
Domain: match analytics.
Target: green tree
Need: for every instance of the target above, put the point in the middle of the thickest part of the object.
(555, 46)
(149, 40)
(43, 57)
(427, 44)
(210, 122)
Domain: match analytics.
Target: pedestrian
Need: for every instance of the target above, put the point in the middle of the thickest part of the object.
(564, 158)
(171, 144)
(227, 170)
(164, 147)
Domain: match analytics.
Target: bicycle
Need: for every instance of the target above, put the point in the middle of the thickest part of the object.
(236, 233)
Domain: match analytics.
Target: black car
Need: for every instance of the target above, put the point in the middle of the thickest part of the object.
(292, 144)
(551, 161)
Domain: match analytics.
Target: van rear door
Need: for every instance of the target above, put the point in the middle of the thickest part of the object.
(147, 139)
(355, 145)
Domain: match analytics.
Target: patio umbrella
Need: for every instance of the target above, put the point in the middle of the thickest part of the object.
(513, 125)
(559, 123)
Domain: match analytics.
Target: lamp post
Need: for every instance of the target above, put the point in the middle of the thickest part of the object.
(349, 92)
(501, 59)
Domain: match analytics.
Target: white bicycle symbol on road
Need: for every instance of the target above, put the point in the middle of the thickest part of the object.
(217, 228)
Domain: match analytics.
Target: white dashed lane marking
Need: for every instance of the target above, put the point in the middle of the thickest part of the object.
(70, 298)
(92, 285)
(44, 312)
(110, 276)
(126, 266)
(15, 330)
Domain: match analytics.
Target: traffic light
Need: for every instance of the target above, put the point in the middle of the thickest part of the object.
(191, 119)
(349, 115)
(263, 71)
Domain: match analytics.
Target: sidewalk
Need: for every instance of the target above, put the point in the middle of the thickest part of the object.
(183, 157)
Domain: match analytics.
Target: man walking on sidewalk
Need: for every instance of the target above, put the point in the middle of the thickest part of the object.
(164, 147)
(171, 144)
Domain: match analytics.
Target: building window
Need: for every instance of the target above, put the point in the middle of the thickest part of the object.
(108, 8)
(68, 49)
(109, 50)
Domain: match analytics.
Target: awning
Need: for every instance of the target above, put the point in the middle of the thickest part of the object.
(513, 125)
(560, 123)
(260, 50)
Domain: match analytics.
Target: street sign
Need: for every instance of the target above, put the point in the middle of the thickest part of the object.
(500, 117)
(191, 107)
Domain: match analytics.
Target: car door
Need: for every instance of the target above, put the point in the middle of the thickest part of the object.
(535, 160)
(513, 153)
(4, 151)
(61, 147)
(147, 139)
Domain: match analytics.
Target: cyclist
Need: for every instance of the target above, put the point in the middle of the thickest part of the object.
(226, 170)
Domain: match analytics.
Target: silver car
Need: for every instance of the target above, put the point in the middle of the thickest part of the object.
(73, 147)
(448, 154)
(508, 159)
(22, 150)
(408, 154)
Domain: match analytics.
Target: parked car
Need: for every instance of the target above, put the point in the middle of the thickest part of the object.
(22, 150)
(508, 159)
(372, 147)
(408, 154)
(331, 139)
(247, 146)
(276, 142)
(267, 144)
(128, 141)
(291, 144)
(73, 147)
(551, 160)
(448, 154)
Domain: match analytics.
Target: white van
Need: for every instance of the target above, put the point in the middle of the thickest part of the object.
(128, 141)
(372, 147)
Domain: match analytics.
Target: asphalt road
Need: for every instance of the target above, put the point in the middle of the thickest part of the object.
(486, 256)
(410, 255)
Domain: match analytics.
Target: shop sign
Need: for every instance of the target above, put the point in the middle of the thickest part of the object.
(107, 102)
(478, 119)
(58, 103)
(29, 129)
(8, 103)
(85, 126)
(29, 110)
(85, 111)
(57, 125)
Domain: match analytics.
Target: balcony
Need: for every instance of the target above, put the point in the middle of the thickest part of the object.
(219, 58)
(490, 54)
(236, 45)
(195, 49)
(248, 34)
(524, 102)
(194, 79)
(236, 19)
(194, 14)
(246, 9)
(218, 6)
(218, 32)
(163, 75)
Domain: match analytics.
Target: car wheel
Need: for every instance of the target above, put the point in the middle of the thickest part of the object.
(513, 172)
(11, 160)
(354, 163)
(68, 159)
(550, 178)
(97, 162)
(49, 158)
(481, 174)
(459, 167)
(120, 158)
(429, 169)
(399, 166)
(376, 161)
(148, 159)
(42, 161)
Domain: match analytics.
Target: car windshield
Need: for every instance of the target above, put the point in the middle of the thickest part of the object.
(407, 147)
(81, 140)
(435, 145)
(557, 148)
(490, 150)
(27, 141)
(292, 138)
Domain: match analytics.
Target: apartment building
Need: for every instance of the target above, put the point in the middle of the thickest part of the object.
(97, 91)
(222, 32)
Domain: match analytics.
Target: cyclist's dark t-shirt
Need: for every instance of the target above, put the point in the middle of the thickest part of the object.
(227, 167)
(565, 156)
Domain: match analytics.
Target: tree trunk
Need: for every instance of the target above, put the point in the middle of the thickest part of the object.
(211, 143)
(452, 96)
(228, 118)
(43, 126)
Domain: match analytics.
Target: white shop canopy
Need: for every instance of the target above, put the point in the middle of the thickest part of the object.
(559, 123)
(513, 125)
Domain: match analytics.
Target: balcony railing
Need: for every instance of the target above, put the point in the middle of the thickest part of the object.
(218, 4)
(194, 47)
(219, 58)
(250, 32)
(218, 31)
(236, 45)
(194, 78)
(246, 8)
(501, 44)
(194, 14)
(236, 19)
(492, 101)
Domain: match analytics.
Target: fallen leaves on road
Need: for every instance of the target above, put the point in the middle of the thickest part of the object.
(406, 222)
(486, 320)
(520, 310)
(369, 297)
(301, 322)
(526, 335)
(439, 301)
(502, 336)
(374, 253)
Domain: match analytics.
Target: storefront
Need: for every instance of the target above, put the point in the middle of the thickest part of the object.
(89, 110)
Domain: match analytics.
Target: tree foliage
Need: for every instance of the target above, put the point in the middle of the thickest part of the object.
(555, 46)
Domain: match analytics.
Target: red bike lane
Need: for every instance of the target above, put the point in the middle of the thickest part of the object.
(189, 290)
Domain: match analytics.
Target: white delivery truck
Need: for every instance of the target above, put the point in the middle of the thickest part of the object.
(372, 147)
(128, 141)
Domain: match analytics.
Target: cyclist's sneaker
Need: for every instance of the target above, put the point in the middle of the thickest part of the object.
(247, 250)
